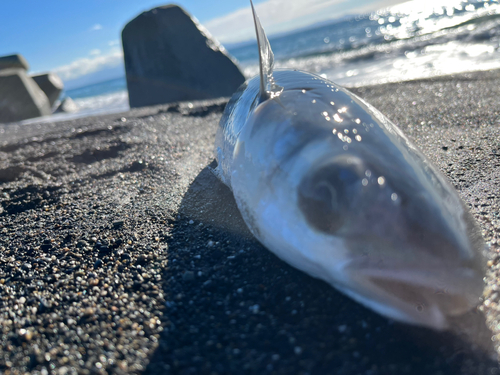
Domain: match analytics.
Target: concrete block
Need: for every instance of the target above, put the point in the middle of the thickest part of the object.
(51, 85)
(170, 57)
(20, 97)
(13, 61)
(67, 106)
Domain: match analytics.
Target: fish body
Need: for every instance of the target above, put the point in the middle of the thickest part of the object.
(332, 187)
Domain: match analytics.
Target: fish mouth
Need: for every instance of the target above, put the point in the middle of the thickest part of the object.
(420, 297)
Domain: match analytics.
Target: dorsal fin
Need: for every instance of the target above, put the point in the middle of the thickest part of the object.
(268, 89)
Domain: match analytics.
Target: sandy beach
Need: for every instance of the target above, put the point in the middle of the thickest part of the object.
(120, 252)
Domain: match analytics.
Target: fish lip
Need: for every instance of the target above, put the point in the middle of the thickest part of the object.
(427, 275)
(416, 296)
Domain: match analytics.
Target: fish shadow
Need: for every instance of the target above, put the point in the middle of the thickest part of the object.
(232, 307)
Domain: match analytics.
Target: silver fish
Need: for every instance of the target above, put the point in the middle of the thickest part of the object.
(335, 189)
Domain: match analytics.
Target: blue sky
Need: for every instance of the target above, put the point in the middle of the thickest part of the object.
(75, 38)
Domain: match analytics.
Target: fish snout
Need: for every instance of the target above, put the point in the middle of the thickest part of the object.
(429, 267)
(420, 296)
(445, 235)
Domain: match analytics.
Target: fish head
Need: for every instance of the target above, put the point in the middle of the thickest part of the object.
(411, 252)
(350, 200)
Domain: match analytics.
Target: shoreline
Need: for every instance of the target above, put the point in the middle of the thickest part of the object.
(124, 107)
(123, 254)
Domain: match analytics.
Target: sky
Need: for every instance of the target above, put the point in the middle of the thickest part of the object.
(77, 38)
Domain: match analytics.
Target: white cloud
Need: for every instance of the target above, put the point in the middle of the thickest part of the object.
(95, 52)
(113, 43)
(87, 65)
(285, 15)
(96, 27)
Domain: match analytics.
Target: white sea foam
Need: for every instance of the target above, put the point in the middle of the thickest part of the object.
(437, 60)
(115, 102)
(434, 60)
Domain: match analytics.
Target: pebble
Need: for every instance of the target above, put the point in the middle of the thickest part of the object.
(126, 256)
(118, 224)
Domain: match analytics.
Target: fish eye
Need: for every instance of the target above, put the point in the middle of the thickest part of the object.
(326, 193)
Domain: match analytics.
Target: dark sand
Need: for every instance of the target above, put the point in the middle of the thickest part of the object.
(121, 253)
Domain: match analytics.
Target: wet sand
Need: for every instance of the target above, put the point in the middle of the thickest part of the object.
(121, 253)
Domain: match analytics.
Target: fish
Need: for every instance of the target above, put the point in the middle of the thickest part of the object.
(335, 189)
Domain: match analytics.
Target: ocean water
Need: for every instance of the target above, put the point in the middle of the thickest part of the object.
(109, 95)
(417, 39)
